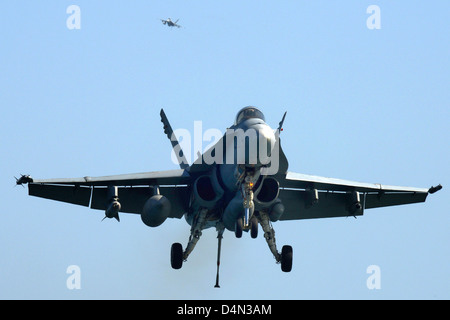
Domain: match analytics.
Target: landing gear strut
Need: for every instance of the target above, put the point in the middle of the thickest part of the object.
(177, 255)
(286, 255)
(220, 230)
(248, 221)
(249, 206)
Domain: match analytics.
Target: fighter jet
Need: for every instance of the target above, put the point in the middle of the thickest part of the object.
(240, 183)
(170, 23)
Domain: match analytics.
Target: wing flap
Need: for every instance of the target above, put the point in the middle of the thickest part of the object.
(379, 200)
(336, 204)
(71, 194)
(330, 205)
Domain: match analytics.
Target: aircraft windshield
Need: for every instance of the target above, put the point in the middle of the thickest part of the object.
(248, 113)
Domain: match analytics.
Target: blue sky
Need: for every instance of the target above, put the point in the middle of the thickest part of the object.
(364, 105)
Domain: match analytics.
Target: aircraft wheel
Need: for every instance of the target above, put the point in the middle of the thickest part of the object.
(239, 227)
(176, 256)
(286, 258)
(254, 228)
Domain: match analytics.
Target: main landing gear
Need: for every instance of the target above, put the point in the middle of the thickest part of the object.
(284, 257)
(177, 255)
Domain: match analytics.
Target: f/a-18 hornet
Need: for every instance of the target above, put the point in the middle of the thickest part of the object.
(170, 23)
(241, 182)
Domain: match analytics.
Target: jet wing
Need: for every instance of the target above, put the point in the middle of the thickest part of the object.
(133, 190)
(307, 197)
(169, 177)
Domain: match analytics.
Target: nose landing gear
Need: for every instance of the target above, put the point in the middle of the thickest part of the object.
(253, 227)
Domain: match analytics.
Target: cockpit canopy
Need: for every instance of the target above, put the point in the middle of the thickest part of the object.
(249, 113)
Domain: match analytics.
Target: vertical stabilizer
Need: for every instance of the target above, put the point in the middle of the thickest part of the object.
(173, 139)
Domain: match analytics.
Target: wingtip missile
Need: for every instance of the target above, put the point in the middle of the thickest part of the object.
(434, 189)
(24, 179)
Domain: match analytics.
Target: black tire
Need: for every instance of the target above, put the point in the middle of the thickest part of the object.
(176, 256)
(254, 228)
(286, 258)
(239, 227)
